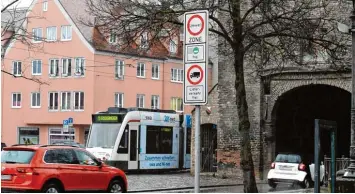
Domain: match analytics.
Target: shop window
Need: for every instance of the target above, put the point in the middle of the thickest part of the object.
(123, 147)
(57, 135)
(28, 135)
(159, 140)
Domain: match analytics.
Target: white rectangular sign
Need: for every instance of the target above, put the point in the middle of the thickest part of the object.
(195, 57)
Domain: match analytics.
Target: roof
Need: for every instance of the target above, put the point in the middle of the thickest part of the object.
(13, 18)
(78, 12)
(37, 146)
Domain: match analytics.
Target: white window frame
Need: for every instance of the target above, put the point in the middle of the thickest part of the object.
(67, 68)
(155, 99)
(138, 70)
(45, 5)
(49, 103)
(154, 67)
(49, 38)
(79, 71)
(176, 108)
(37, 94)
(67, 30)
(81, 93)
(12, 99)
(179, 77)
(19, 70)
(144, 40)
(56, 68)
(140, 97)
(40, 65)
(70, 133)
(33, 35)
(119, 69)
(68, 106)
(119, 96)
(113, 37)
(173, 46)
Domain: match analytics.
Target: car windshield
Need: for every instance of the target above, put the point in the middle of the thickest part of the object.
(288, 158)
(103, 135)
(17, 156)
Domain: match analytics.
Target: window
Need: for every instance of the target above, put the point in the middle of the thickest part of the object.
(119, 69)
(66, 67)
(176, 104)
(79, 66)
(16, 100)
(51, 33)
(123, 147)
(17, 156)
(54, 67)
(45, 5)
(37, 34)
(119, 100)
(53, 100)
(79, 100)
(144, 40)
(141, 70)
(37, 67)
(59, 135)
(113, 37)
(173, 46)
(140, 100)
(35, 100)
(155, 71)
(28, 135)
(155, 102)
(85, 159)
(60, 156)
(177, 75)
(17, 68)
(159, 140)
(66, 33)
(66, 97)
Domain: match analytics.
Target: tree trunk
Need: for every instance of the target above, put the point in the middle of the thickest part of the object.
(246, 159)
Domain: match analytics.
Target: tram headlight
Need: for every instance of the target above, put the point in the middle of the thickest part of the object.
(107, 156)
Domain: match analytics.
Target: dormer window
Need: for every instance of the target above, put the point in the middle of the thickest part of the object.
(173, 46)
(113, 37)
(144, 40)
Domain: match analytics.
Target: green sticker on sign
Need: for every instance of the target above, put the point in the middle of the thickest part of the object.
(195, 50)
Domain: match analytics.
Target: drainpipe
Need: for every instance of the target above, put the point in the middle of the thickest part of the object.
(162, 91)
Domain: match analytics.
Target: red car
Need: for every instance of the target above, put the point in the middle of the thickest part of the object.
(55, 169)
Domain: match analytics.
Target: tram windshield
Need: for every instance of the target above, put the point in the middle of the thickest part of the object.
(103, 135)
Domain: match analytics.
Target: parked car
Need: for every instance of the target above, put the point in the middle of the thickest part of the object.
(71, 143)
(3, 145)
(291, 168)
(54, 168)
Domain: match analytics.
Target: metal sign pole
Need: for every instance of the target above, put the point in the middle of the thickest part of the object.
(197, 149)
(333, 177)
(316, 156)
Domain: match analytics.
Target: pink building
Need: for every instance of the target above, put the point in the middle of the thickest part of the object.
(81, 73)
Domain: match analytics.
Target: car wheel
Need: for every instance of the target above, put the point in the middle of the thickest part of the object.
(51, 188)
(116, 186)
(306, 183)
(272, 184)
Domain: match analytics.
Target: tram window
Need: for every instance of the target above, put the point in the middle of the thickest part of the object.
(188, 141)
(159, 140)
(123, 147)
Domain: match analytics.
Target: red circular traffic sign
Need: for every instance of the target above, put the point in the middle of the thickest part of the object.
(189, 22)
(189, 76)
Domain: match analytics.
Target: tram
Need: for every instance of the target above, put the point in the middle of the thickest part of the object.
(134, 139)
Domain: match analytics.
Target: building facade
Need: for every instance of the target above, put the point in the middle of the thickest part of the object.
(73, 76)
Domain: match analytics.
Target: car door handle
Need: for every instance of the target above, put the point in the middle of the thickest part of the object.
(84, 169)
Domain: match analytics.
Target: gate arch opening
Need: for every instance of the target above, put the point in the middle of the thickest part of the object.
(293, 119)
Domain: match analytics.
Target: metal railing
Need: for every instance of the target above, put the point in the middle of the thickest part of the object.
(340, 163)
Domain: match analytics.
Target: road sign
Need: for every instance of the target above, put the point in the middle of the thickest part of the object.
(65, 126)
(195, 57)
(70, 121)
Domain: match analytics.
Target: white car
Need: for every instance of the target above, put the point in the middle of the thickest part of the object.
(290, 168)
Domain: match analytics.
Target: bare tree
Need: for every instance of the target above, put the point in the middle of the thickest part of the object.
(258, 35)
(13, 28)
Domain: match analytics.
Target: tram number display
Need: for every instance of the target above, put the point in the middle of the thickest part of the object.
(106, 118)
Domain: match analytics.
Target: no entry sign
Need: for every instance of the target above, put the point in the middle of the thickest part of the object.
(195, 57)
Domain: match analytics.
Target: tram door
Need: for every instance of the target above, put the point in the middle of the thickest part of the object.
(133, 146)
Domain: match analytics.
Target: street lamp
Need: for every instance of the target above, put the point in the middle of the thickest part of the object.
(350, 171)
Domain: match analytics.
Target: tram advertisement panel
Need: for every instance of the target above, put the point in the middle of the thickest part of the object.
(158, 161)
